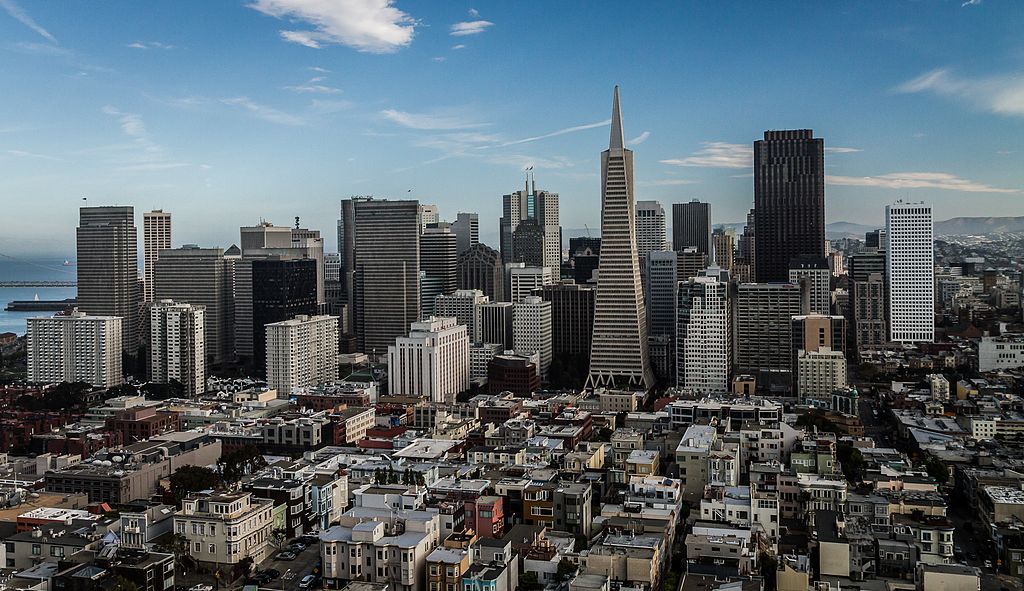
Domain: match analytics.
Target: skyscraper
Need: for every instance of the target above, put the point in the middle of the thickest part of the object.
(301, 352)
(467, 229)
(531, 330)
(618, 356)
(201, 276)
(74, 348)
(572, 317)
(429, 214)
(650, 227)
(461, 305)
(531, 204)
(177, 347)
(910, 272)
(869, 312)
(481, 268)
(281, 288)
(156, 236)
(724, 242)
(789, 201)
(524, 281)
(264, 235)
(691, 226)
(108, 268)
(439, 255)
(431, 362)
(660, 279)
(703, 350)
(818, 275)
(763, 328)
(382, 253)
(494, 323)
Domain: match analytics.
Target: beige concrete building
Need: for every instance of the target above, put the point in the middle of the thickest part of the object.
(302, 352)
(225, 528)
(75, 348)
(156, 236)
(177, 345)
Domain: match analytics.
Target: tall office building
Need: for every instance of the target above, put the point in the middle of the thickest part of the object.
(429, 214)
(746, 249)
(818, 375)
(660, 279)
(461, 305)
(311, 246)
(812, 332)
(467, 230)
(264, 235)
(528, 243)
(690, 262)
(493, 323)
(869, 312)
(703, 348)
(156, 236)
(524, 281)
(432, 362)
(276, 288)
(481, 268)
(691, 226)
(301, 352)
(202, 277)
(572, 318)
(650, 227)
(75, 347)
(439, 255)
(818, 276)
(108, 268)
(763, 329)
(584, 257)
(382, 255)
(177, 347)
(910, 272)
(618, 355)
(789, 201)
(531, 330)
(724, 242)
(531, 204)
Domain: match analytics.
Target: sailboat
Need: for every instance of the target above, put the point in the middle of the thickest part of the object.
(67, 263)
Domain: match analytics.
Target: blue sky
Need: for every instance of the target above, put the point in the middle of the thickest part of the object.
(230, 111)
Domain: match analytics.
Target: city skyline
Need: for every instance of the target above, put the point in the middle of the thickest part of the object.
(136, 115)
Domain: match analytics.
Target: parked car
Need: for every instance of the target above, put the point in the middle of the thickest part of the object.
(202, 588)
(307, 581)
(309, 538)
(286, 555)
(988, 564)
(297, 547)
(274, 573)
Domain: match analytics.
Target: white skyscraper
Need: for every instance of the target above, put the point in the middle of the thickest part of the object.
(618, 352)
(177, 345)
(531, 330)
(461, 305)
(703, 349)
(429, 214)
(302, 352)
(432, 362)
(650, 227)
(818, 275)
(910, 271)
(75, 348)
(156, 236)
(524, 280)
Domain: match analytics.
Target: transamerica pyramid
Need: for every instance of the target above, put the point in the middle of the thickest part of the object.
(618, 350)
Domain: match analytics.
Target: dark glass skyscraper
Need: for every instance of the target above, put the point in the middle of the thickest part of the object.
(789, 201)
(282, 288)
(108, 268)
(691, 226)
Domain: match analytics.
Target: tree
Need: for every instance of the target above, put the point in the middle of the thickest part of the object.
(769, 566)
(235, 465)
(278, 537)
(852, 462)
(119, 583)
(529, 582)
(246, 566)
(566, 570)
(937, 469)
(188, 479)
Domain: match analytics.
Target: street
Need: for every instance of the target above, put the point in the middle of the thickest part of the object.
(292, 571)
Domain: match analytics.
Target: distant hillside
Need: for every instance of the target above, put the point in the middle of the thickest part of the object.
(978, 226)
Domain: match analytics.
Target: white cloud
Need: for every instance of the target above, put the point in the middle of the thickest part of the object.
(474, 13)
(425, 121)
(971, 3)
(639, 139)
(1002, 95)
(318, 69)
(25, 154)
(557, 133)
(372, 26)
(23, 17)
(332, 106)
(438, 59)
(470, 28)
(150, 45)
(131, 124)
(717, 155)
(523, 162)
(264, 112)
(841, 150)
(312, 87)
(917, 180)
(142, 154)
(459, 46)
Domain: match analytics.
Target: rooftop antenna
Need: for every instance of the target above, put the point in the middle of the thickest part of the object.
(534, 176)
(296, 222)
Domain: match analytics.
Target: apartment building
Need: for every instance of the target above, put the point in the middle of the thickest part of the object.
(225, 528)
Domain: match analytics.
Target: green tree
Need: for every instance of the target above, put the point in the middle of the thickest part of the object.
(529, 582)
(566, 570)
(937, 469)
(852, 462)
(188, 479)
(278, 537)
(769, 566)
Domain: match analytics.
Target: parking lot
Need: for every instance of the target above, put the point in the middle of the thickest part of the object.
(292, 571)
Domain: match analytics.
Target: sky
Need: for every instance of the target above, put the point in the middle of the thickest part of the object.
(225, 113)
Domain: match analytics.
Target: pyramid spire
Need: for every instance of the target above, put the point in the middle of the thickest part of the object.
(616, 142)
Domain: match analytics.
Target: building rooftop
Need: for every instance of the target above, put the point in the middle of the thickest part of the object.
(1006, 495)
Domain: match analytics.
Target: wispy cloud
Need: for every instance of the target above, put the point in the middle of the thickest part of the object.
(971, 3)
(474, 13)
(470, 28)
(557, 133)
(841, 150)
(523, 161)
(142, 154)
(319, 70)
(428, 121)
(24, 154)
(917, 180)
(1002, 95)
(717, 155)
(459, 46)
(264, 112)
(372, 26)
(639, 139)
(314, 86)
(326, 107)
(131, 123)
(19, 14)
(149, 45)
(438, 59)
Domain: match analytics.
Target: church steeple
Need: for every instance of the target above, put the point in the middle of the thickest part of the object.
(616, 141)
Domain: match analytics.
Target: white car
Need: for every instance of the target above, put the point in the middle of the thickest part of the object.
(201, 588)
(307, 582)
